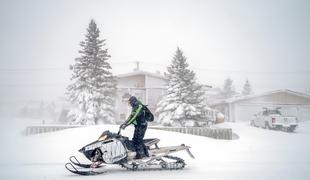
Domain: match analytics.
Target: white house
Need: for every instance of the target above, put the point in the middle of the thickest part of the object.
(243, 108)
(147, 87)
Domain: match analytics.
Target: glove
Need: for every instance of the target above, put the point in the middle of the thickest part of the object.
(123, 126)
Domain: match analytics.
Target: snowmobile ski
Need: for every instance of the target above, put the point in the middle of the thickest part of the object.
(76, 162)
(74, 170)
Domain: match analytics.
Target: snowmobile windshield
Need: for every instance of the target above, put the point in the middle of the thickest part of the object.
(104, 136)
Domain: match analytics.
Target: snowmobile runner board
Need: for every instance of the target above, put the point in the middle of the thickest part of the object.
(82, 172)
(76, 162)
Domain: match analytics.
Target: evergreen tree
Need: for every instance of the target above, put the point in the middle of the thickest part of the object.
(228, 90)
(184, 99)
(247, 89)
(92, 89)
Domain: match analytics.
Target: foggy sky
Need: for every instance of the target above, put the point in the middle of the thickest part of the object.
(266, 41)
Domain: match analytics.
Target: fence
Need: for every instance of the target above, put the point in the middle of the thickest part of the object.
(46, 128)
(216, 133)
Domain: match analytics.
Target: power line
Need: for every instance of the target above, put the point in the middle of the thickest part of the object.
(31, 69)
(151, 64)
(236, 71)
(51, 68)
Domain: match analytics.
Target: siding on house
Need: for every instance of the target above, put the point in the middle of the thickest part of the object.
(132, 81)
(277, 98)
(147, 87)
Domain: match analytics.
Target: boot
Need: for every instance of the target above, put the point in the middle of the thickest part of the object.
(146, 152)
(139, 155)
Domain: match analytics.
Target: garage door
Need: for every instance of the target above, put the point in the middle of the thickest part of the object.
(305, 113)
(246, 112)
(302, 112)
(290, 110)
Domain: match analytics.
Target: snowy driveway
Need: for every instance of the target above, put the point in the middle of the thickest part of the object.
(257, 154)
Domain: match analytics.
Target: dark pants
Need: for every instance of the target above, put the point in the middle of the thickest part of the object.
(138, 140)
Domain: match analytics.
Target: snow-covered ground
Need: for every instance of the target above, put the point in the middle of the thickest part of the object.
(256, 154)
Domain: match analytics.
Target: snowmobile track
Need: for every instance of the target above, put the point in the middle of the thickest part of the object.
(162, 165)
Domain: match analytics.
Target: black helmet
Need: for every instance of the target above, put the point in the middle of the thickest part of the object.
(133, 101)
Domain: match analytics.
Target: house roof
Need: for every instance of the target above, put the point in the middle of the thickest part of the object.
(135, 73)
(241, 98)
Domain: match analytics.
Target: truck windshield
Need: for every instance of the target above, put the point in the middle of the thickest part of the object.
(274, 112)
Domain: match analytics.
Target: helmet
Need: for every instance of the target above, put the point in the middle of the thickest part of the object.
(133, 101)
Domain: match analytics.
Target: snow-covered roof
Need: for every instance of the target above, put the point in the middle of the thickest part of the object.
(241, 98)
(135, 73)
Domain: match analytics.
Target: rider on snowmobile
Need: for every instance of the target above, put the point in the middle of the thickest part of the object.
(138, 120)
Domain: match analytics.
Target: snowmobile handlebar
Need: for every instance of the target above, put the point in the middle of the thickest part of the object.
(119, 131)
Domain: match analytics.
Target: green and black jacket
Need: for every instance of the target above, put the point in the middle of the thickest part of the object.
(136, 117)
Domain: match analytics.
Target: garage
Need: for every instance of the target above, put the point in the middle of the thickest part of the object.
(292, 103)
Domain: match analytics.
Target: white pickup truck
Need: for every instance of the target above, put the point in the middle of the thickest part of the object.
(273, 119)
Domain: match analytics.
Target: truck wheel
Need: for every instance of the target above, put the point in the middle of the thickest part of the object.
(285, 129)
(291, 129)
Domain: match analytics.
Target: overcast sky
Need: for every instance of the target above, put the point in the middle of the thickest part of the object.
(266, 41)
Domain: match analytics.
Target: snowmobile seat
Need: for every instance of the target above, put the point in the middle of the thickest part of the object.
(147, 143)
(150, 142)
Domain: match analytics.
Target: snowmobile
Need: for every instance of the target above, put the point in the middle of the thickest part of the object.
(113, 148)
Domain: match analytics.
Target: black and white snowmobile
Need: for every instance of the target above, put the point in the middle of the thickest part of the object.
(113, 148)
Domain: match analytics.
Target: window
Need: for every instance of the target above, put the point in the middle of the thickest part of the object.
(139, 96)
(265, 113)
(125, 97)
(274, 112)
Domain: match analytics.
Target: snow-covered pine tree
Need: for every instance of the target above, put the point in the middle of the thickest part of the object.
(228, 90)
(247, 89)
(184, 100)
(92, 89)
